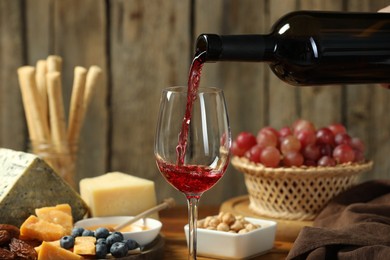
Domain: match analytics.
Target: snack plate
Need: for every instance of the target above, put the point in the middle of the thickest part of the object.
(150, 240)
(143, 237)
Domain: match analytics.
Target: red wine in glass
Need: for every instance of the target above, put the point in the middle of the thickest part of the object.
(192, 180)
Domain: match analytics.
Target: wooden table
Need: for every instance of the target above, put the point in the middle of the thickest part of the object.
(175, 247)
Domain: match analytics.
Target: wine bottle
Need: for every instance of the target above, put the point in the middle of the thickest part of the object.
(313, 48)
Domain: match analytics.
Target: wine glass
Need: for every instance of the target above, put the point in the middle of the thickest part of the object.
(192, 145)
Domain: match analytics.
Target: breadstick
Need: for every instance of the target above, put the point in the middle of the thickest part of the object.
(56, 110)
(26, 96)
(40, 78)
(76, 104)
(54, 63)
(39, 131)
(93, 75)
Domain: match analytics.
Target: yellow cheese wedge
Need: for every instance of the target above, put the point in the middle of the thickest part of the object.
(54, 243)
(50, 251)
(118, 194)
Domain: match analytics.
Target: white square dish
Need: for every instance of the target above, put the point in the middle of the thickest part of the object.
(219, 244)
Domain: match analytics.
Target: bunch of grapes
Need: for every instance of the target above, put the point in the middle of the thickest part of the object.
(300, 144)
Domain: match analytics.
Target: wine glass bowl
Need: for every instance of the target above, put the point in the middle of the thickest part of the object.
(192, 144)
(206, 149)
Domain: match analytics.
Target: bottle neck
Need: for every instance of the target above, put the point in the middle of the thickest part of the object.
(234, 47)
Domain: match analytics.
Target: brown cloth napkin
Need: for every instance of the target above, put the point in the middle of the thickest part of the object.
(354, 225)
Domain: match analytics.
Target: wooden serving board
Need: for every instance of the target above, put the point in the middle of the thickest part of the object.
(287, 230)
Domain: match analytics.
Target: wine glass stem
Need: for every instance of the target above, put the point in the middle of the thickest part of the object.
(192, 220)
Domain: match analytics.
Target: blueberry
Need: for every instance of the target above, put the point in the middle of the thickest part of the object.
(117, 233)
(101, 233)
(113, 238)
(119, 249)
(131, 244)
(67, 242)
(101, 251)
(88, 233)
(101, 241)
(77, 231)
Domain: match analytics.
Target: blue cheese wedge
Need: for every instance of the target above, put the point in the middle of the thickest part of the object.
(27, 183)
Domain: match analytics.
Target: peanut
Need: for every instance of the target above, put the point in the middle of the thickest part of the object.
(223, 227)
(237, 226)
(243, 231)
(228, 218)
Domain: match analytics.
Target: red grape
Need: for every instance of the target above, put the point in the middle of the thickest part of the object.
(293, 158)
(326, 161)
(325, 136)
(270, 157)
(326, 149)
(254, 153)
(337, 129)
(359, 156)
(311, 152)
(310, 163)
(245, 140)
(266, 137)
(269, 128)
(290, 143)
(223, 139)
(306, 137)
(284, 131)
(302, 124)
(343, 153)
(357, 144)
(343, 138)
(236, 150)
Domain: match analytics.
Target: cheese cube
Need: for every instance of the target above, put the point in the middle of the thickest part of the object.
(118, 194)
(60, 214)
(35, 228)
(84, 245)
(27, 183)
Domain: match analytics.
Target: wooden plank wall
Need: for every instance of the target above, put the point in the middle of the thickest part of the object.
(146, 45)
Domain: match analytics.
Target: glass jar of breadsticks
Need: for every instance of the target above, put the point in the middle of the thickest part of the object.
(62, 158)
(52, 137)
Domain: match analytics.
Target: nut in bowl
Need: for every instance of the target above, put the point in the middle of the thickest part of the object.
(142, 234)
(231, 243)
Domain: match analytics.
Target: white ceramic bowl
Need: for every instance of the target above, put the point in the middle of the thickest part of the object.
(143, 237)
(219, 244)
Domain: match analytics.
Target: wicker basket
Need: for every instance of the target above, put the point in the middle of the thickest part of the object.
(296, 193)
